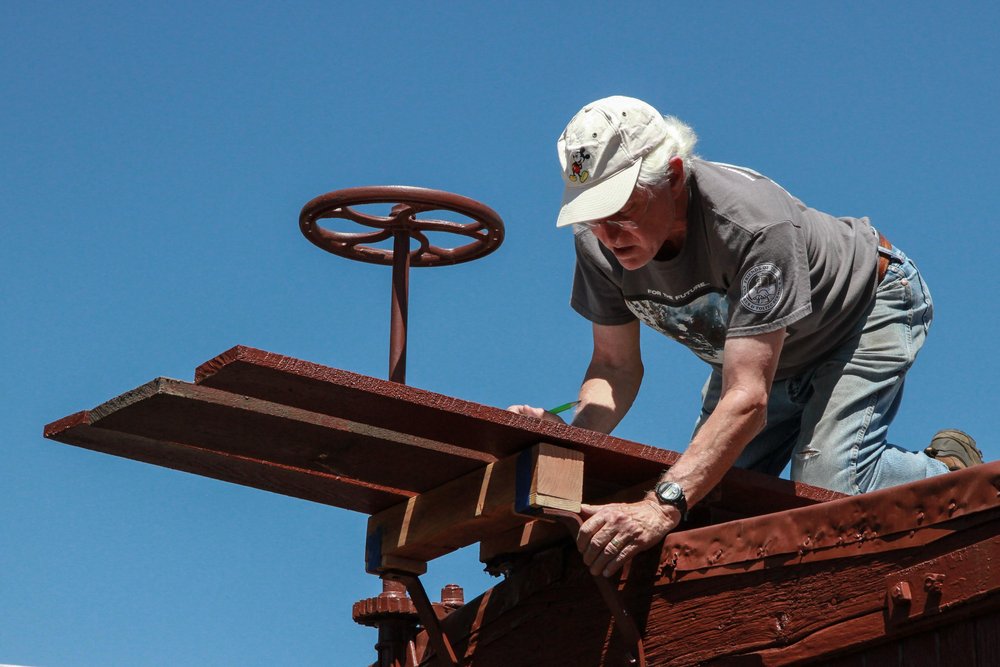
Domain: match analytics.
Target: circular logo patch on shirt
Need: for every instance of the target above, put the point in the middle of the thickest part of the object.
(762, 287)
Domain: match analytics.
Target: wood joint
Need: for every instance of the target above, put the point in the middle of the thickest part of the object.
(495, 498)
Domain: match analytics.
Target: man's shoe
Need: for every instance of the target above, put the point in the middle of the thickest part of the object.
(956, 449)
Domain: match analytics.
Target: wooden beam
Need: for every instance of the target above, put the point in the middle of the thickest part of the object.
(318, 487)
(612, 463)
(497, 497)
(205, 430)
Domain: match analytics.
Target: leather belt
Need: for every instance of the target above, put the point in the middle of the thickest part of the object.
(883, 258)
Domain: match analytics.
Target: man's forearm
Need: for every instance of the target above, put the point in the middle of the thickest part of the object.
(739, 416)
(606, 395)
(613, 533)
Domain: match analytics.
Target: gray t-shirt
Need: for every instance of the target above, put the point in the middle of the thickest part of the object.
(755, 259)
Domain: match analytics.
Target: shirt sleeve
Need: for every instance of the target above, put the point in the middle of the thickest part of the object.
(771, 289)
(597, 293)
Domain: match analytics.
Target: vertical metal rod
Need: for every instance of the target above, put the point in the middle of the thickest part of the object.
(395, 632)
(400, 299)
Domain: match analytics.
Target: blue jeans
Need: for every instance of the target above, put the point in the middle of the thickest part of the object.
(832, 420)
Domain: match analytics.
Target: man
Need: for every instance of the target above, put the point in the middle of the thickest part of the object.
(809, 322)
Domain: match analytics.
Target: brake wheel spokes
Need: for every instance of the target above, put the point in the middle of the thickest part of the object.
(482, 235)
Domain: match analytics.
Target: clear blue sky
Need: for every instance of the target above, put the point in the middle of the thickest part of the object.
(154, 163)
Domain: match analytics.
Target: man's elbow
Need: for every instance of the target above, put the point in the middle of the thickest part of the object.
(751, 405)
(638, 370)
(759, 412)
(628, 371)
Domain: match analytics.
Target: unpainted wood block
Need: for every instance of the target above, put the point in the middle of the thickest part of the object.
(488, 501)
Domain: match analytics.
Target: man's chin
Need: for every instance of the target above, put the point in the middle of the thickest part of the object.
(631, 257)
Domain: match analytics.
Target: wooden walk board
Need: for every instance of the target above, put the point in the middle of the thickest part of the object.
(192, 421)
(373, 443)
(612, 463)
(288, 480)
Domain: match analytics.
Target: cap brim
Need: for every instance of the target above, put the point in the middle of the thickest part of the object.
(583, 204)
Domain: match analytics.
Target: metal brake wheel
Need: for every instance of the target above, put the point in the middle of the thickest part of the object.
(484, 234)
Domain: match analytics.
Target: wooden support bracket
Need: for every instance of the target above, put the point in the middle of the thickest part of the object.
(495, 498)
(543, 532)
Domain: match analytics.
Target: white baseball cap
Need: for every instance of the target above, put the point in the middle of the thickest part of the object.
(601, 151)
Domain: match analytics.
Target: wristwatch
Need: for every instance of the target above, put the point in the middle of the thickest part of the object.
(671, 493)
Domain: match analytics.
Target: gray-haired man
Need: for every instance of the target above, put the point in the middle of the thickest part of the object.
(809, 321)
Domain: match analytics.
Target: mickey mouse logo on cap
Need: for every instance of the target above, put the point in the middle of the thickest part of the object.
(577, 172)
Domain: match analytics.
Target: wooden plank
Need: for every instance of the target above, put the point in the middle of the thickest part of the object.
(556, 479)
(612, 463)
(475, 505)
(211, 422)
(957, 644)
(311, 485)
(921, 650)
(877, 520)
(987, 646)
(410, 409)
(527, 538)
(256, 406)
(909, 515)
(943, 645)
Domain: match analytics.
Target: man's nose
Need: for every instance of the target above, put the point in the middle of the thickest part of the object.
(612, 232)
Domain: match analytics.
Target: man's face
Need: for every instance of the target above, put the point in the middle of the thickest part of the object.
(637, 232)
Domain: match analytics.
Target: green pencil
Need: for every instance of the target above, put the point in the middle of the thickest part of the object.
(562, 408)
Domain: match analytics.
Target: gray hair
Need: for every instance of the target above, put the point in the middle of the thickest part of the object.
(678, 141)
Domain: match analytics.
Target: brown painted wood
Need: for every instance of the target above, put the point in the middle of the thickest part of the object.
(352, 431)
(988, 639)
(787, 613)
(309, 485)
(951, 644)
(224, 427)
(803, 585)
(613, 463)
(956, 643)
(476, 505)
(904, 516)
(400, 407)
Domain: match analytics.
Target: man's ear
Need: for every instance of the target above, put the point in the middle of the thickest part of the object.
(677, 176)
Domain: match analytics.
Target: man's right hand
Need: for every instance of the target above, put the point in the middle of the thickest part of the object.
(539, 413)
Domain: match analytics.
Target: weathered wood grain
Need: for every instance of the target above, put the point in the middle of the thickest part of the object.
(790, 614)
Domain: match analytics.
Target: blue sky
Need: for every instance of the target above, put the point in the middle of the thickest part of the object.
(155, 159)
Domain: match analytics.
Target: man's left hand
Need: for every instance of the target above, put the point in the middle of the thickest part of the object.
(612, 534)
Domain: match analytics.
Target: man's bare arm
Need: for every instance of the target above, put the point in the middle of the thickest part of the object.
(612, 379)
(741, 414)
(748, 372)
(611, 382)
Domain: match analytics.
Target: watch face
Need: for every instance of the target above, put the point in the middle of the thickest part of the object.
(670, 492)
